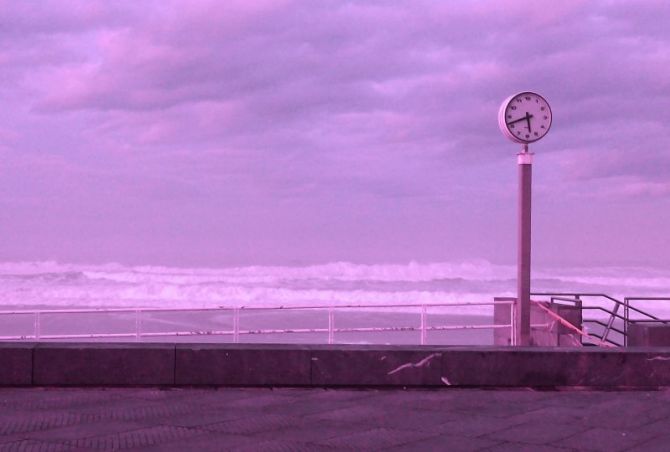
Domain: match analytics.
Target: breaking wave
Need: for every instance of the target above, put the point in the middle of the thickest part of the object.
(54, 284)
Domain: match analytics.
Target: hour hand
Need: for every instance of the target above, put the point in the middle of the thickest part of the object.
(523, 118)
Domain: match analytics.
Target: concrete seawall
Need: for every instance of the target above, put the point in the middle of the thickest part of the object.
(96, 364)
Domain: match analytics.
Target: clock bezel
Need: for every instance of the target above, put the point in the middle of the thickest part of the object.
(504, 128)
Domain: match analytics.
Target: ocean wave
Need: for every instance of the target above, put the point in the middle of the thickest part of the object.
(337, 283)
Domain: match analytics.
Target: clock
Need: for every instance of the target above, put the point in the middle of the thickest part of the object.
(524, 117)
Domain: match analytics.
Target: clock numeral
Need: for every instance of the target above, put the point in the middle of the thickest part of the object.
(542, 108)
(545, 116)
(513, 107)
(519, 100)
(542, 127)
(527, 135)
(536, 134)
(527, 97)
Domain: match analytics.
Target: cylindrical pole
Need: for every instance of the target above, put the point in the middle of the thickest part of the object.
(522, 312)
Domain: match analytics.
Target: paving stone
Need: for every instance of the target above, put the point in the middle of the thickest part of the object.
(415, 420)
(660, 427)
(658, 444)
(133, 410)
(537, 432)
(34, 422)
(451, 443)
(253, 424)
(553, 415)
(602, 439)
(206, 442)
(196, 419)
(284, 446)
(309, 407)
(375, 439)
(85, 430)
(35, 446)
(475, 426)
(520, 447)
(351, 414)
(134, 439)
(309, 432)
(41, 399)
(627, 413)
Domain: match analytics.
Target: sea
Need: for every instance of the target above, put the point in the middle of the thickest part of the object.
(62, 285)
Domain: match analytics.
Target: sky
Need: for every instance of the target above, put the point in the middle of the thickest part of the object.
(242, 132)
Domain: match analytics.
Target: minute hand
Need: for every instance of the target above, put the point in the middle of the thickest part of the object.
(520, 119)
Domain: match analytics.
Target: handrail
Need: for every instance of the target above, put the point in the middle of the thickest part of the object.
(600, 308)
(577, 299)
(593, 294)
(603, 324)
(609, 341)
(249, 308)
(236, 331)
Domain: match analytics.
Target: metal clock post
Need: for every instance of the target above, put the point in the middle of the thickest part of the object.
(524, 118)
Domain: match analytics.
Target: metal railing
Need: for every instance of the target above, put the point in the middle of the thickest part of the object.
(612, 314)
(139, 317)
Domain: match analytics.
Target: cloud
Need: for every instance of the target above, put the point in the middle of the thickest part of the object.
(331, 102)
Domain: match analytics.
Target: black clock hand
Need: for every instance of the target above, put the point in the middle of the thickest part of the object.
(528, 121)
(524, 118)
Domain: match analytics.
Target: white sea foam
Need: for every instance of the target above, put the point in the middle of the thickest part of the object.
(30, 284)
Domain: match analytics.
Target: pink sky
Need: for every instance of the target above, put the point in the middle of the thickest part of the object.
(278, 132)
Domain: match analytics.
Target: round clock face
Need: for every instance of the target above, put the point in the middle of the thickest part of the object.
(524, 117)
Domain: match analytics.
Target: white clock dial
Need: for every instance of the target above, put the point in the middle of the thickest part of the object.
(524, 117)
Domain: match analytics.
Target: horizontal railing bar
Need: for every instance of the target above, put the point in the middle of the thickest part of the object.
(603, 324)
(639, 311)
(647, 298)
(596, 335)
(246, 308)
(571, 300)
(599, 308)
(573, 294)
(265, 331)
(649, 321)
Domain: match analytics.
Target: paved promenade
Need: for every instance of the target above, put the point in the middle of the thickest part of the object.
(48, 419)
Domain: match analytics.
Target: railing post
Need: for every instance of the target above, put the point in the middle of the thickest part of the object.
(423, 324)
(138, 326)
(331, 324)
(236, 325)
(578, 303)
(611, 321)
(512, 323)
(625, 322)
(38, 326)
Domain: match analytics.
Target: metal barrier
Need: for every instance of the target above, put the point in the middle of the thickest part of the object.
(237, 330)
(612, 314)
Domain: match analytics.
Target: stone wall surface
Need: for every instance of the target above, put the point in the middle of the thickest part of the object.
(251, 365)
(96, 364)
(649, 334)
(16, 364)
(103, 364)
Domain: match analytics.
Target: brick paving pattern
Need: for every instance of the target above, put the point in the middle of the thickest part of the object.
(261, 419)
